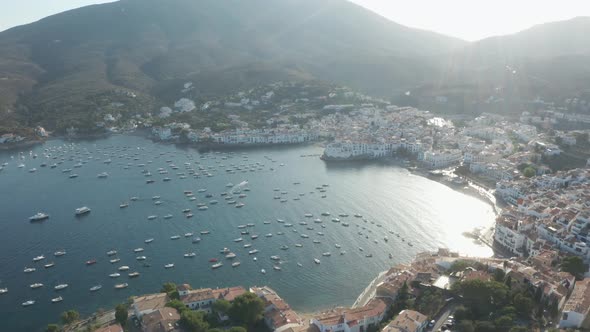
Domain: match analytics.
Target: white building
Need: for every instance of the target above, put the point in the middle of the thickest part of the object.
(577, 307)
(446, 158)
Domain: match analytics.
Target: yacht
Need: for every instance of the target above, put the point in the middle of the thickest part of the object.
(60, 286)
(186, 210)
(247, 245)
(59, 253)
(298, 245)
(325, 213)
(308, 215)
(253, 251)
(175, 237)
(284, 247)
(203, 208)
(136, 250)
(239, 205)
(276, 268)
(133, 274)
(205, 232)
(103, 175)
(95, 288)
(57, 299)
(123, 268)
(115, 275)
(190, 255)
(188, 215)
(36, 285)
(217, 265)
(238, 239)
(196, 240)
(317, 241)
(141, 258)
(38, 258)
(39, 216)
(90, 262)
(114, 260)
(121, 286)
(357, 215)
(275, 258)
(169, 266)
(29, 269)
(48, 265)
(152, 217)
(317, 261)
(263, 271)
(168, 216)
(150, 240)
(254, 236)
(235, 264)
(111, 253)
(123, 205)
(327, 254)
(28, 303)
(230, 255)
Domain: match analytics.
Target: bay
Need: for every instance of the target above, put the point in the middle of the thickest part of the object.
(424, 213)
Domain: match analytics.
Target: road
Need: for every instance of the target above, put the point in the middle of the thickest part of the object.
(442, 316)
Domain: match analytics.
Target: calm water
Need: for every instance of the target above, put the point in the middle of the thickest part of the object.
(423, 212)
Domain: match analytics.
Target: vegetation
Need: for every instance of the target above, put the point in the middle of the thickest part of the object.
(193, 321)
(247, 309)
(574, 265)
(121, 314)
(170, 289)
(529, 172)
(70, 316)
(52, 328)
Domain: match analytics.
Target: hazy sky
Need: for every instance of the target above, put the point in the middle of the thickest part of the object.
(467, 19)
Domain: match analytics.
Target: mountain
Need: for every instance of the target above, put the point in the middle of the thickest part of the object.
(58, 63)
(56, 72)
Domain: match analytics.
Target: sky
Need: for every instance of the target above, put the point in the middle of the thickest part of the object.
(465, 19)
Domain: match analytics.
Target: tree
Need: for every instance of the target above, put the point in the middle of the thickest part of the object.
(519, 329)
(574, 265)
(508, 282)
(499, 275)
(168, 287)
(222, 306)
(70, 316)
(247, 308)
(121, 314)
(193, 321)
(503, 323)
(178, 305)
(523, 304)
(484, 326)
(465, 326)
(52, 328)
(461, 313)
(529, 172)
(236, 329)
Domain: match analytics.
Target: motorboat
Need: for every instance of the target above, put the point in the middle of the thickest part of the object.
(28, 303)
(111, 252)
(190, 255)
(59, 253)
(175, 237)
(29, 269)
(150, 240)
(230, 255)
(217, 265)
(36, 285)
(136, 250)
(133, 274)
(141, 258)
(317, 261)
(235, 264)
(39, 216)
(121, 286)
(91, 262)
(49, 265)
(82, 210)
(61, 286)
(115, 275)
(169, 266)
(115, 260)
(123, 268)
(38, 258)
(95, 288)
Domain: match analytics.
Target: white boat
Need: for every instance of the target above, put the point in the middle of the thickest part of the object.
(275, 258)
(57, 299)
(326, 254)
(121, 286)
(168, 216)
(188, 234)
(36, 285)
(247, 245)
(38, 258)
(28, 303)
(152, 217)
(29, 269)
(102, 175)
(204, 232)
(115, 275)
(263, 271)
(235, 264)
(124, 268)
(39, 216)
(82, 210)
(95, 288)
(111, 253)
(298, 245)
(269, 235)
(230, 255)
(150, 240)
(137, 250)
(239, 205)
(317, 261)
(59, 253)
(202, 208)
(253, 251)
(217, 265)
(190, 255)
(141, 258)
(3, 290)
(169, 266)
(175, 237)
(276, 268)
(133, 274)
(123, 205)
(60, 286)
(49, 265)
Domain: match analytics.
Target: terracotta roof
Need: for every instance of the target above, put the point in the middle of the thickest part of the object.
(183, 287)
(150, 302)
(161, 320)
(229, 293)
(407, 321)
(579, 300)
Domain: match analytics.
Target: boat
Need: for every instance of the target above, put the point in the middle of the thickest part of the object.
(175, 237)
(141, 258)
(188, 215)
(299, 264)
(36, 285)
(275, 258)
(82, 210)
(123, 205)
(28, 303)
(217, 265)
(121, 286)
(298, 245)
(57, 299)
(102, 175)
(48, 265)
(150, 240)
(276, 268)
(212, 260)
(369, 255)
(230, 255)
(390, 256)
(202, 208)
(91, 262)
(196, 240)
(38, 258)
(189, 255)
(111, 253)
(317, 261)
(168, 216)
(73, 176)
(269, 235)
(325, 213)
(358, 215)
(123, 268)
(188, 234)
(59, 253)
(204, 232)
(235, 264)
(29, 269)
(238, 239)
(152, 217)
(239, 205)
(327, 254)
(169, 266)
(337, 245)
(254, 236)
(263, 271)
(114, 260)
(133, 274)
(61, 286)
(284, 247)
(115, 275)
(247, 245)
(138, 249)
(253, 251)
(39, 216)
(95, 288)
(186, 210)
